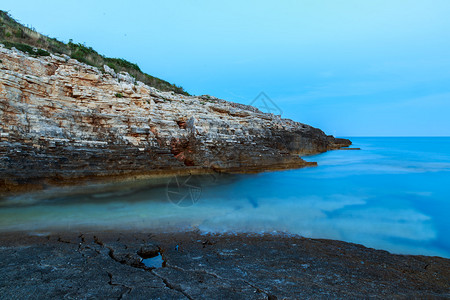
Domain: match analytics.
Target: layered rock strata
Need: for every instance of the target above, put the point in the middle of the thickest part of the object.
(63, 120)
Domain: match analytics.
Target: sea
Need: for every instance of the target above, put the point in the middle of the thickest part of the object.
(393, 194)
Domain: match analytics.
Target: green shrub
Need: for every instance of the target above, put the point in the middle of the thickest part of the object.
(81, 58)
(119, 95)
(112, 66)
(21, 47)
(26, 48)
(41, 52)
(122, 63)
(19, 33)
(13, 34)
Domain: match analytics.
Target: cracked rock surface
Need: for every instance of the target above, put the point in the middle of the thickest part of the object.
(197, 266)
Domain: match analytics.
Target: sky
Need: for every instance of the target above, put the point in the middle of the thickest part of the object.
(349, 67)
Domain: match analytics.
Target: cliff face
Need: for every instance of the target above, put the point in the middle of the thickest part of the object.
(61, 119)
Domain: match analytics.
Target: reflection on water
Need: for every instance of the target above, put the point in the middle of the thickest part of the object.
(391, 195)
(155, 261)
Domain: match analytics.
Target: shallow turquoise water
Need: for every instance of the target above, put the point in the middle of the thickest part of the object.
(392, 195)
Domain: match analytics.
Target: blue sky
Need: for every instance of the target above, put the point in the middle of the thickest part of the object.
(349, 67)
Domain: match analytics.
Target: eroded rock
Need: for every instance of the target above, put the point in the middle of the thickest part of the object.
(198, 266)
(62, 120)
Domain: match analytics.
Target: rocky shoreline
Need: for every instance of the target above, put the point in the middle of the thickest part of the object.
(192, 265)
(63, 121)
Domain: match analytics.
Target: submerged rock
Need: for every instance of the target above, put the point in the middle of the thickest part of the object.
(63, 120)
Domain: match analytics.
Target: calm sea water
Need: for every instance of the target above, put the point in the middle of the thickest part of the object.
(394, 195)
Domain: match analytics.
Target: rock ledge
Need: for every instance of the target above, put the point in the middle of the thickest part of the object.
(62, 121)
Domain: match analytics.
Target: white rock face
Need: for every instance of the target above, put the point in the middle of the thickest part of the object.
(110, 71)
(60, 117)
(125, 77)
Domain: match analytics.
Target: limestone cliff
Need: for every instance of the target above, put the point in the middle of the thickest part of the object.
(63, 120)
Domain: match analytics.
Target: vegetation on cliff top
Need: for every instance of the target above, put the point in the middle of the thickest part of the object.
(23, 38)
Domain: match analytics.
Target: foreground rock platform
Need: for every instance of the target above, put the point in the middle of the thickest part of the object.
(197, 266)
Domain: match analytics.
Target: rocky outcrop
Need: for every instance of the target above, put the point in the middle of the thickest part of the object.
(62, 120)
